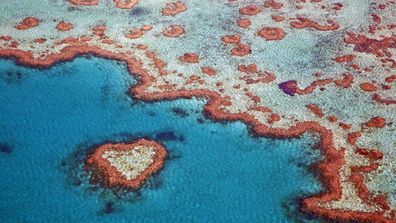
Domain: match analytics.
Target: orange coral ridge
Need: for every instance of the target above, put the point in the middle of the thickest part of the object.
(64, 26)
(84, 2)
(172, 9)
(328, 168)
(271, 33)
(173, 31)
(125, 4)
(301, 23)
(27, 23)
(111, 176)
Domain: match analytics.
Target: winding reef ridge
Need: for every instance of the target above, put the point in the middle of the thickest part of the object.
(284, 67)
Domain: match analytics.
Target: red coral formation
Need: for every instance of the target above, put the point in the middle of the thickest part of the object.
(6, 38)
(301, 23)
(372, 46)
(381, 100)
(332, 118)
(357, 178)
(157, 62)
(272, 4)
(189, 58)
(40, 40)
(382, 202)
(337, 6)
(27, 23)
(250, 10)
(353, 137)
(391, 79)
(249, 69)
(255, 75)
(173, 31)
(64, 26)
(244, 23)
(273, 118)
(99, 31)
(111, 177)
(231, 39)
(315, 110)
(125, 4)
(345, 58)
(278, 18)
(345, 82)
(241, 50)
(134, 33)
(172, 9)
(73, 41)
(344, 126)
(84, 2)
(376, 122)
(372, 155)
(209, 71)
(256, 99)
(368, 86)
(147, 28)
(271, 33)
(14, 44)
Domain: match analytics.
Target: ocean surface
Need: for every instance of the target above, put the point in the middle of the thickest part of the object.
(215, 172)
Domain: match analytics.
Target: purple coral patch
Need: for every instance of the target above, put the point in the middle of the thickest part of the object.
(289, 87)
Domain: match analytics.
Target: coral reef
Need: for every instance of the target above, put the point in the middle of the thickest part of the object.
(126, 165)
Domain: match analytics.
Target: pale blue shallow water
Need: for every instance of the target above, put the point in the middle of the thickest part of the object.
(215, 172)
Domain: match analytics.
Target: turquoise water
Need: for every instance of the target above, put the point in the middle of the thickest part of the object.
(215, 172)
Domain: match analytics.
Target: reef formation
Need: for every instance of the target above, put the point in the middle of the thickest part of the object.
(126, 165)
(282, 67)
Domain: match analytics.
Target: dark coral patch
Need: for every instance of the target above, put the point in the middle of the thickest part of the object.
(289, 87)
(139, 11)
(108, 208)
(12, 77)
(180, 112)
(167, 136)
(4, 148)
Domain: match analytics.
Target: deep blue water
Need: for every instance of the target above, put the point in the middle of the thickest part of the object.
(215, 172)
